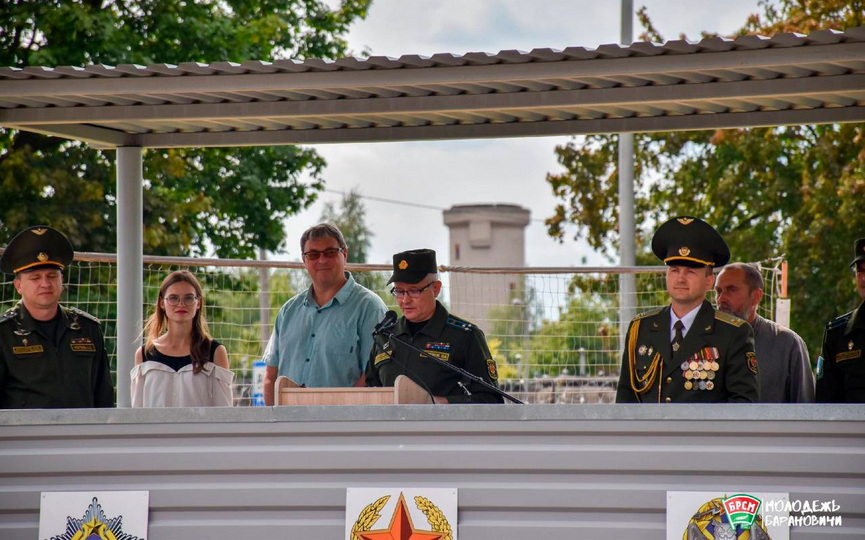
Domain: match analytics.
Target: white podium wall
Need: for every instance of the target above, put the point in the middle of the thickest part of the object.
(539, 472)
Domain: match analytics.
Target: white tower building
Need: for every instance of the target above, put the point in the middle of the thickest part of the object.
(485, 235)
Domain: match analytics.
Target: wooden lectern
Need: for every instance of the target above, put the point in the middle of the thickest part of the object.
(404, 391)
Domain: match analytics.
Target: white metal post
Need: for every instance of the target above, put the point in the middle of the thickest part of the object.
(130, 264)
(627, 227)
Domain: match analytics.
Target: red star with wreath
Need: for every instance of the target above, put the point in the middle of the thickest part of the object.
(401, 527)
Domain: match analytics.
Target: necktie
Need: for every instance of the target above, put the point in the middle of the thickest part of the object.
(677, 338)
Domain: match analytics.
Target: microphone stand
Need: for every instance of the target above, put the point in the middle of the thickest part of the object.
(470, 376)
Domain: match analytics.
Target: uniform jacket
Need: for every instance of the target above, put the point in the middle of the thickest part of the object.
(714, 337)
(841, 367)
(448, 338)
(36, 374)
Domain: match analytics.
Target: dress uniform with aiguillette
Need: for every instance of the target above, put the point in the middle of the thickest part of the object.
(714, 362)
(59, 363)
(444, 336)
(841, 365)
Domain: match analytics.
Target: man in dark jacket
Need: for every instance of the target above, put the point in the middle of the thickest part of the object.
(428, 326)
(50, 356)
(687, 352)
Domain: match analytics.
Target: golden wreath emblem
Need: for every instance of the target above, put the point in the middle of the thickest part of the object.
(372, 513)
(403, 264)
(39, 232)
(684, 251)
(685, 221)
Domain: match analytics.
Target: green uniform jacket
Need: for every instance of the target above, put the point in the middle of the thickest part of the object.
(448, 338)
(35, 374)
(715, 337)
(841, 367)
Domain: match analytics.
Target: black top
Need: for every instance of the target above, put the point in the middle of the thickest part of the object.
(61, 367)
(446, 337)
(841, 367)
(177, 362)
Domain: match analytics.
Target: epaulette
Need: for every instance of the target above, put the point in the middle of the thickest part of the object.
(729, 319)
(459, 323)
(84, 314)
(647, 314)
(9, 315)
(839, 321)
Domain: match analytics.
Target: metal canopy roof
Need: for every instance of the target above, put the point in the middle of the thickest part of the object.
(715, 83)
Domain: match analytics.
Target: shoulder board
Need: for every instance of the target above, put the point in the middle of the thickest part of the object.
(459, 323)
(839, 321)
(729, 319)
(648, 314)
(84, 314)
(9, 315)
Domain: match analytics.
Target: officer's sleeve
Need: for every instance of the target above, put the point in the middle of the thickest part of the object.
(741, 379)
(371, 372)
(479, 362)
(103, 387)
(830, 387)
(373, 313)
(624, 392)
(801, 378)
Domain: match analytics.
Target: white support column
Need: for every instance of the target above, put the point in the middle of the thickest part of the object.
(627, 227)
(130, 264)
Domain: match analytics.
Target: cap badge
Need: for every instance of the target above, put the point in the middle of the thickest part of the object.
(42, 256)
(39, 232)
(684, 251)
(685, 221)
(403, 264)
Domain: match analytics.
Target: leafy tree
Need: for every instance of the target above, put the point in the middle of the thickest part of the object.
(229, 199)
(797, 190)
(350, 217)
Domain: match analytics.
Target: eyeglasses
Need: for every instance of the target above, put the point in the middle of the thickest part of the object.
(412, 293)
(174, 300)
(329, 253)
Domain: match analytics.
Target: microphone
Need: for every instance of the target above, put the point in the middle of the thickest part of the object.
(386, 324)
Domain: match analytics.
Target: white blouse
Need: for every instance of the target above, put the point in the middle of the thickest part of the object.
(156, 385)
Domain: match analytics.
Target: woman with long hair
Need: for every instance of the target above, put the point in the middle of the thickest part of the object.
(180, 364)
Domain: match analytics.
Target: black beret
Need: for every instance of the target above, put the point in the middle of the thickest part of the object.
(412, 266)
(35, 247)
(858, 252)
(690, 241)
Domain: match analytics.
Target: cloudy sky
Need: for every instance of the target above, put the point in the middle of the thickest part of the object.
(443, 174)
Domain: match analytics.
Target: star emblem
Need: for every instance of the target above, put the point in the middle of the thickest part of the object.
(403, 264)
(401, 527)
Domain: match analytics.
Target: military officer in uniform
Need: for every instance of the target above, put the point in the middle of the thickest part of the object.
(687, 352)
(841, 365)
(428, 326)
(51, 356)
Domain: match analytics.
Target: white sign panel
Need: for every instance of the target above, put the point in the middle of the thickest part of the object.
(385, 513)
(734, 515)
(93, 514)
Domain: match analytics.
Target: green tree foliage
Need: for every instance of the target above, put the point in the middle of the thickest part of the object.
(797, 190)
(231, 200)
(350, 217)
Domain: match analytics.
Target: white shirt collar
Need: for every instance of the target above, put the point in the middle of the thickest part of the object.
(687, 320)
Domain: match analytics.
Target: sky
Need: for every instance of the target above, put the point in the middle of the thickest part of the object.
(482, 171)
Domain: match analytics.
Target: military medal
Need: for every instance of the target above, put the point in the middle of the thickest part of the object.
(710, 385)
(642, 350)
(651, 350)
(702, 385)
(685, 366)
(675, 347)
(688, 385)
(710, 375)
(694, 366)
(689, 375)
